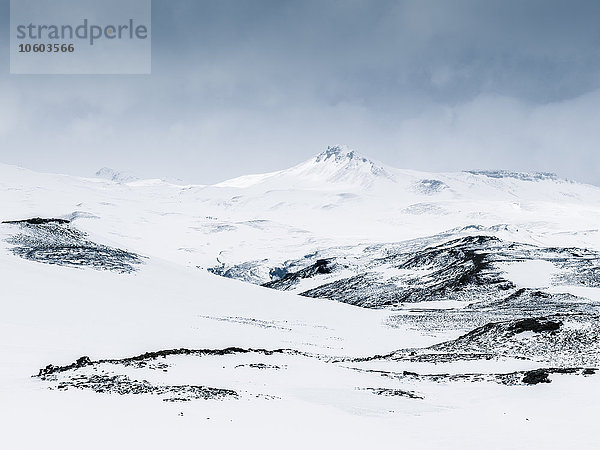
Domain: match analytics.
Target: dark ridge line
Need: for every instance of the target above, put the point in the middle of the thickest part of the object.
(85, 361)
(37, 221)
(537, 324)
(547, 371)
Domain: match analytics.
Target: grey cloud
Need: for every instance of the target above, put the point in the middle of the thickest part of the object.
(247, 86)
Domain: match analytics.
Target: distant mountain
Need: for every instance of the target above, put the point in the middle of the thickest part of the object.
(337, 164)
(118, 177)
(343, 169)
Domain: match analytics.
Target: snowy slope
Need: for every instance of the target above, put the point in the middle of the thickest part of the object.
(290, 369)
(334, 198)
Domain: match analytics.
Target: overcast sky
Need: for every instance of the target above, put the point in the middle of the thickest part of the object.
(252, 86)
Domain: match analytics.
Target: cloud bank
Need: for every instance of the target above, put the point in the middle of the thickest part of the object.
(252, 86)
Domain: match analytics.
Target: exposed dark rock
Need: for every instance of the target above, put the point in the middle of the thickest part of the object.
(536, 376)
(562, 340)
(522, 176)
(102, 375)
(148, 356)
(440, 267)
(456, 270)
(105, 376)
(37, 221)
(535, 325)
(289, 280)
(387, 392)
(277, 273)
(524, 303)
(54, 241)
(261, 366)
(51, 369)
(509, 379)
(123, 385)
(83, 361)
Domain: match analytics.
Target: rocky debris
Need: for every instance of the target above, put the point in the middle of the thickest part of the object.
(387, 392)
(509, 328)
(532, 302)
(123, 385)
(522, 304)
(102, 375)
(562, 340)
(51, 369)
(54, 241)
(114, 376)
(143, 359)
(441, 267)
(261, 366)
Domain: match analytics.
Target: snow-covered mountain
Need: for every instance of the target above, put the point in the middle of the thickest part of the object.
(427, 301)
(335, 198)
(337, 164)
(119, 177)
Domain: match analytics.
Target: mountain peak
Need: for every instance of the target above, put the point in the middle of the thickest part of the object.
(337, 164)
(338, 153)
(340, 163)
(118, 177)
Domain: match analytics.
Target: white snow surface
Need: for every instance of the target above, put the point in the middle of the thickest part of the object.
(53, 314)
